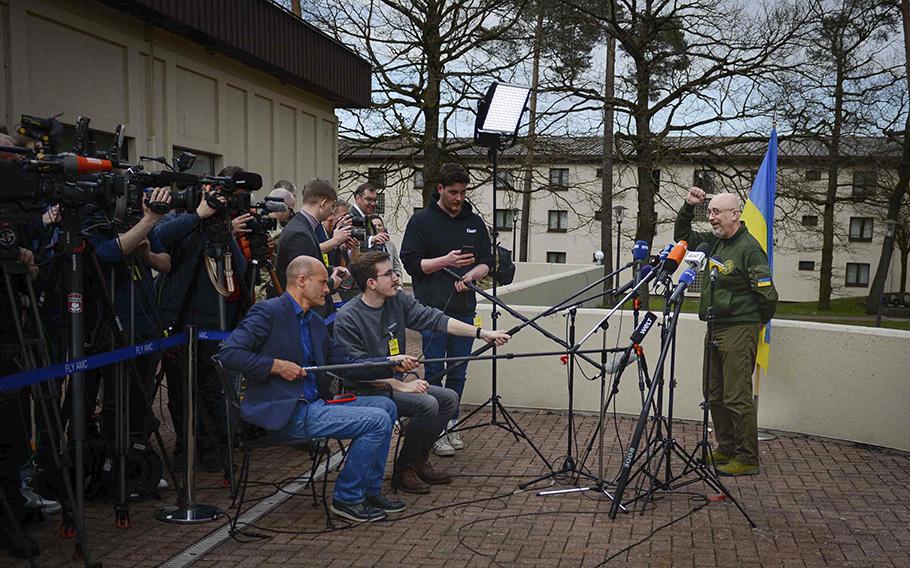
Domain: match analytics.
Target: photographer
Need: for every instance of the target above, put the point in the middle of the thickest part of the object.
(388, 247)
(129, 258)
(189, 296)
(366, 197)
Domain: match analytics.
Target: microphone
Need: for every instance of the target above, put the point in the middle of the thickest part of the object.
(275, 206)
(642, 274)
(685, 279)
(640, 251)
(79, 165)
(671, 263)
(615, 365)
(697, 258)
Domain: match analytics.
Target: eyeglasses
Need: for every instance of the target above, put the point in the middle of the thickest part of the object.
(391, 274)
(715, 211)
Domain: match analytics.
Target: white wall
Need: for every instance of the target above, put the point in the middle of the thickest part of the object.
(842, 382)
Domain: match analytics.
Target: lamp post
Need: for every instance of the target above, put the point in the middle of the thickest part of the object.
(890, 227)
(514, 228)
(618, 213)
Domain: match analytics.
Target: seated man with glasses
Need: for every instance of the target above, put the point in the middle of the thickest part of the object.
(373, 325)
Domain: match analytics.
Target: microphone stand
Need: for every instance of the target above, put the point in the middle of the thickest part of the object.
(703, 466)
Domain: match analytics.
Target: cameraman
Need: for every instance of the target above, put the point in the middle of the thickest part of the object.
(128, 257)
(189, 297)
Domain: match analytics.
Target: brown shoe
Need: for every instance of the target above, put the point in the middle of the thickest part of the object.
(406, 479)
(426, 472)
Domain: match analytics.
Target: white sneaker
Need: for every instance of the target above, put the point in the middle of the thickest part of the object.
(455, 440)
(443, 448)
(50, 507)
(454, 437)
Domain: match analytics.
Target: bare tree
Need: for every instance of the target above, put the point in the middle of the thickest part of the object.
(833, 99)
(429, 59)
(685, 67)
(896, 197)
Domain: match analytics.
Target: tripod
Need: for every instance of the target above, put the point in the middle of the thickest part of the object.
(702, 469)
(702, 466)
(45, 397)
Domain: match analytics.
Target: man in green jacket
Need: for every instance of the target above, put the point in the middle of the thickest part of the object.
(744, 299)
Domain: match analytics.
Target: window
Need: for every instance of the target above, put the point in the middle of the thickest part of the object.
(559, 178)
(504, 219)
(505, 179)
(98, 141)
(813, 175)
(861, 229)
(857, 275)
(807, 265)
(699, 280)
(418, 179)
(556, 257)
(864, 182)
(599, 173)
(701, 210)
(376, 176)
(655, 175)
(557, 221)
(416, 209)
(204, 164)
(704, 179)
(380, 203)
(810, 221)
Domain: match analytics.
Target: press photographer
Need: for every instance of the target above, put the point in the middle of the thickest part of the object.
(200, 240)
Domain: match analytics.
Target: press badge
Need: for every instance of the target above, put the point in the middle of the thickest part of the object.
(393, 347)
(325, 259)
(478, 321)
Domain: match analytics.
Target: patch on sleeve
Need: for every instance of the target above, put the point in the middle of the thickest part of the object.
(763, 282)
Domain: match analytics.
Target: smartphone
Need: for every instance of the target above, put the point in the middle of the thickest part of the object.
(467, 249)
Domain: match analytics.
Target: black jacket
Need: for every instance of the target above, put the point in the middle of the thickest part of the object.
(298, 239)
(432, 233)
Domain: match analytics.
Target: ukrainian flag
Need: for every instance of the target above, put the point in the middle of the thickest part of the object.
(758, 214)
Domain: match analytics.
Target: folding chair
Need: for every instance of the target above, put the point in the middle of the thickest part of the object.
(247, 437)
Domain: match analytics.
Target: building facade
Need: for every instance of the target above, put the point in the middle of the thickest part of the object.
(564, 224)
(236, 83)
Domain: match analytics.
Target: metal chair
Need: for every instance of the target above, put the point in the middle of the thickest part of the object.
(248, 437)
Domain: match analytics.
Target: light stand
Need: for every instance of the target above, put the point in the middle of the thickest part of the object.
(498, 115)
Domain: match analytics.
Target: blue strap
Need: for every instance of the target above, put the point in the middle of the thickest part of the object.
(213, 335)
(26, 378)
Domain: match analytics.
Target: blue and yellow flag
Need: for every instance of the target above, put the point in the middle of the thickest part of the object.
(758, 215)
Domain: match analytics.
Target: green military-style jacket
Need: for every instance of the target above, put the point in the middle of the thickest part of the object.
(745, 292)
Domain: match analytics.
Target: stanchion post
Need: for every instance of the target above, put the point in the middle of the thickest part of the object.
(190, 511)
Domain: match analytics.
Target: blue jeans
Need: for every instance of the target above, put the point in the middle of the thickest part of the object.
(367, 422)
(437, 345)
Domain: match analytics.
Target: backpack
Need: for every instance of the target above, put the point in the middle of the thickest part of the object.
(505, 267)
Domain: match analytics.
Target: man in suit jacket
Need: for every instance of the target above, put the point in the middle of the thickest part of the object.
(365, 198)
(281, 396)
(299, 238)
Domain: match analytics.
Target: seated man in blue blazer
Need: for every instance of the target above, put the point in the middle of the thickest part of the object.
(270, 347)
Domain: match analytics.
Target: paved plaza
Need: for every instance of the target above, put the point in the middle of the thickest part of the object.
(817, 502)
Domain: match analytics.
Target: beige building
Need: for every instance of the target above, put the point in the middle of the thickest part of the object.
(565, 225)
(236, 83)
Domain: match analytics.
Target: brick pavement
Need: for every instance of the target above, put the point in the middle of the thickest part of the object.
(817, 502)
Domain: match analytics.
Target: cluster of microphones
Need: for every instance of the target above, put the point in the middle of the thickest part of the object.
(661, 267)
